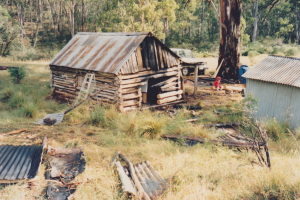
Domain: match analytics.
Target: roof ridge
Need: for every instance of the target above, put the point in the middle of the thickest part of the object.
(284, 57)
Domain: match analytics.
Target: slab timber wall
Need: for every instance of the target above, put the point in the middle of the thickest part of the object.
(64, 84)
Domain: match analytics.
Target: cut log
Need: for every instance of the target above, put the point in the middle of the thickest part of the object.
(169, 94)
(172, 88)
(131, 96)
(169, 99)
(171, 84)
(165, 82)
(233, 88)
(130, 103)
(133, 85)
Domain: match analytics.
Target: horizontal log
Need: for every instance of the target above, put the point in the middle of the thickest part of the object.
(170, 80)
(130, 103)
(133, 85)
(169, 99)
(131, 96)
(233, 88)
(147, 73)
(63, 87)
(171, 84)
(169, 94)
(67, 91)
(106, 96)
(172, 88)
(129, 90)
(66, 94)
(129, 108)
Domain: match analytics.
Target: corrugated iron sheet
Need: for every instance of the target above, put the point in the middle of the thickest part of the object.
(103, 52)
(276, 69)
(153, 184)
(19, 162)
(276, 101)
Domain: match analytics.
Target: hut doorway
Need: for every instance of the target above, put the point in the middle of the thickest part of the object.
(153, 89)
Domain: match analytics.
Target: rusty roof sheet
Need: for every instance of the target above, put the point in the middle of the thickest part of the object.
(103, 52)
(276, 69)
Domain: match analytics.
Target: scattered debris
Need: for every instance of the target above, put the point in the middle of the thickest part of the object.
(14, 132)
(64, 166)
(6, 67)
(222, 125)
(228, 140)
(188, 107)
(140, 179)
(53, 119)
(49, 121)
(20, 162)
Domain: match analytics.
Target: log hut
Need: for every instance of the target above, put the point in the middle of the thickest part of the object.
(140, 69)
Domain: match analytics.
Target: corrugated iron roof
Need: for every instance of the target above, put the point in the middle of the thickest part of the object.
(103, 52)
(19, 162)
(276, 69)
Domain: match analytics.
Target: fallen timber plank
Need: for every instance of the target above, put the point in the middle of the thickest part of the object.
(169, 94)
(164, 104)
(216, 142)
(169, 99)
(222, 125)
(233, 88)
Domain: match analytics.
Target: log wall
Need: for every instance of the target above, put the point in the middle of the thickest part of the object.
(130, 87)
(64, 84)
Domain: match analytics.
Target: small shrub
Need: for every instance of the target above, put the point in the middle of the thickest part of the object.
(269, 50)
(277, 130)
(276, 49)
(16, 100)
(251, 55)
(291, 52)
(29, 110)
(17, 74)
(6, 94)
(97, 117)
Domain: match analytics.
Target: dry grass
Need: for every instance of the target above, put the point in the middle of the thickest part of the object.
(205, 171)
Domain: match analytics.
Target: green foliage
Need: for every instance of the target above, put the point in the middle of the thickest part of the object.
(9, 32)
(277, 130)
(17, 74)
(291, 52)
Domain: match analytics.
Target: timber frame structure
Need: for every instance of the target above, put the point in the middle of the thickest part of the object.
(139, 67)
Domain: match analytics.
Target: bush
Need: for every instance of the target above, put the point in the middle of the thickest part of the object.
(276, 50)
(277, 130)
(97, 117)
(291, 52)
(29, 110)
(17, 74)
(251, 55)
(269, 50)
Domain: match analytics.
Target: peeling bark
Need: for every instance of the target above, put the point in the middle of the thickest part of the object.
(230, 38)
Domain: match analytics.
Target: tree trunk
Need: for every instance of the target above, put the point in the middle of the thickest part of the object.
(230, 38)
(203, 15)
(166, 29)
(37, 27)
(255, 16)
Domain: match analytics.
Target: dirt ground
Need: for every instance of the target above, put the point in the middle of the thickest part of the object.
(206, 97)
(212, 62)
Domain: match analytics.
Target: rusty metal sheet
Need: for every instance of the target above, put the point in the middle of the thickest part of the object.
(276, 69)
(103, 52)
(192, 60)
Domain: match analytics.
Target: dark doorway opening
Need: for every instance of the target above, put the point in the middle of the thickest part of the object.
(153, 90)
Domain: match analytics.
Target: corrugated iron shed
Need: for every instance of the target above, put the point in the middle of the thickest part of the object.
(276, 69)
(19, 162)
(102, 52)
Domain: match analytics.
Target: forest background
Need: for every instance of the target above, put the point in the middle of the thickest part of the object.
(38, 29)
